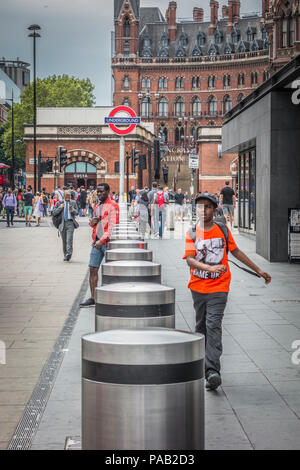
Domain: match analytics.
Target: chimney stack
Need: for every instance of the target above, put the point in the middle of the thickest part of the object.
(198, 15)
(224, 11)
(171, 20)
(230, 16)
(265, 7)
(214, 13)
(236, 10)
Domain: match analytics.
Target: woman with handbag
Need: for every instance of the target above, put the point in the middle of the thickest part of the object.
(38, 208)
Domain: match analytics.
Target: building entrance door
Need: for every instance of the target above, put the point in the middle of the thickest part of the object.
(81, 174)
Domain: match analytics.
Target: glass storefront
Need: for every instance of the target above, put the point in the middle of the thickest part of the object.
(247, 190)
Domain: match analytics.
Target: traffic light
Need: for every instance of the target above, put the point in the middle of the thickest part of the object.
(142, 162)
(62, 158)
(135, 159)
(43, 168)
(49, 166)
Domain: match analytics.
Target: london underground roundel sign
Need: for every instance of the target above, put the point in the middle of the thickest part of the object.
(131, 120)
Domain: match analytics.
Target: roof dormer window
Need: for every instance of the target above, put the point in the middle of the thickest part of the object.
(218, 36)
(183, 40)
(201, 39)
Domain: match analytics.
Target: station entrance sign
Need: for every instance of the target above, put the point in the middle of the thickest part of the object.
(131, 120)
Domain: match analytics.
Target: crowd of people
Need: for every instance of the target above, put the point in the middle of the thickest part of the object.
(23, 203)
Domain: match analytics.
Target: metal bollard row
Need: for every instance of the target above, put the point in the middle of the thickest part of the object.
(142, 381)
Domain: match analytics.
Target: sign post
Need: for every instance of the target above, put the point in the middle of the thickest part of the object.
(130, 120)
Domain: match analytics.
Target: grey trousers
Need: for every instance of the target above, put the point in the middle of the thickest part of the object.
(209, 310)
(67, 238)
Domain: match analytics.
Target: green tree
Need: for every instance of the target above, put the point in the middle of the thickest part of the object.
(54, 91)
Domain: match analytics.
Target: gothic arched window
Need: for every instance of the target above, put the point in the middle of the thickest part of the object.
(163, 108)
(179, 107)
(227, 104)
(183, 39)
(196, 106)
(126, 48)
(180, 52)
(163, 53)
(212, 50)
(146, 107)
(196, 52)
(164, 42)
(218, 36)
(201, 39)
(211, 81)
(242, 47)
(254, 46)
(126, 28)
(212, 106)
(227, 49)
(234, 36)
(241, 79)
(126, 82)
(240, 97)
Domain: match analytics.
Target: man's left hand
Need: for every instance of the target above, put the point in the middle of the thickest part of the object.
(266, 276)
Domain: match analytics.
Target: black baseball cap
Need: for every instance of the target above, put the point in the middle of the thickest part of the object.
(208, 196)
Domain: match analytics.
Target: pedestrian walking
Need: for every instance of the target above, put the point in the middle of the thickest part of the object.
(151, 195)
(102, 223)
(38, 208)
(165, 170)
(143, 213)
(28, 203)
(82, 201)
(67, 209)
(45, 201)
(161, 200)
(227, 202)
(179, 204)
(9, 203)
(206, 251)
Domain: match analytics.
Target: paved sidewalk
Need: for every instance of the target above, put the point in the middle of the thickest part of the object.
(37, 290)
(258, 406)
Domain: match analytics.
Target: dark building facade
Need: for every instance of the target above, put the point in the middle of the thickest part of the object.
(184, 75)
(264, 130)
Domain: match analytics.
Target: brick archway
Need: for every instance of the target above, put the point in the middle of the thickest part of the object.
(82, 155)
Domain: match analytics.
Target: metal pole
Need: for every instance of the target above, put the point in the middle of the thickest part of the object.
(34, 111)
(122, 169)
(150, 165)
(127, 177)
(12, 141)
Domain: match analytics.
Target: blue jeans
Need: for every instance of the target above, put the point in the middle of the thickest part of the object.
(160, 221)
(97, 256)
(10, 211)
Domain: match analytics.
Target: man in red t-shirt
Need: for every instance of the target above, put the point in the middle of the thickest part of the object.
(106, 215)
(206, 255)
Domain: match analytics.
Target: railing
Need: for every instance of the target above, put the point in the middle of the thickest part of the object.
(205, 59)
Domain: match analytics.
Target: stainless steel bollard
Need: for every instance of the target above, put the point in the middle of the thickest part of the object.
(127, 244)
(134, 305)
(128, 254)
(130, 271)
(126, 236)
(143, 390)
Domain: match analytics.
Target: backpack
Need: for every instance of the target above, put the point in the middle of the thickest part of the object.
(223, 227)
(57, 219)
(160, 199)
(45, 199)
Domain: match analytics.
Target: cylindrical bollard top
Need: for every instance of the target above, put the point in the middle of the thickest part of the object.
(126, 236)
(149, 346)
(133, 268)
(135, 293)
(128, 253)
(127, 244)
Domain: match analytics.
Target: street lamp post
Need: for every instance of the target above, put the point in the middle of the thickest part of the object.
(34, 35)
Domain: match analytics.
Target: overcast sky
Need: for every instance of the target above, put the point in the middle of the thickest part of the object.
(76, 35)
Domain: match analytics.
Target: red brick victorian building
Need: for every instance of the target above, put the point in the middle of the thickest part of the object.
(184, 75)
